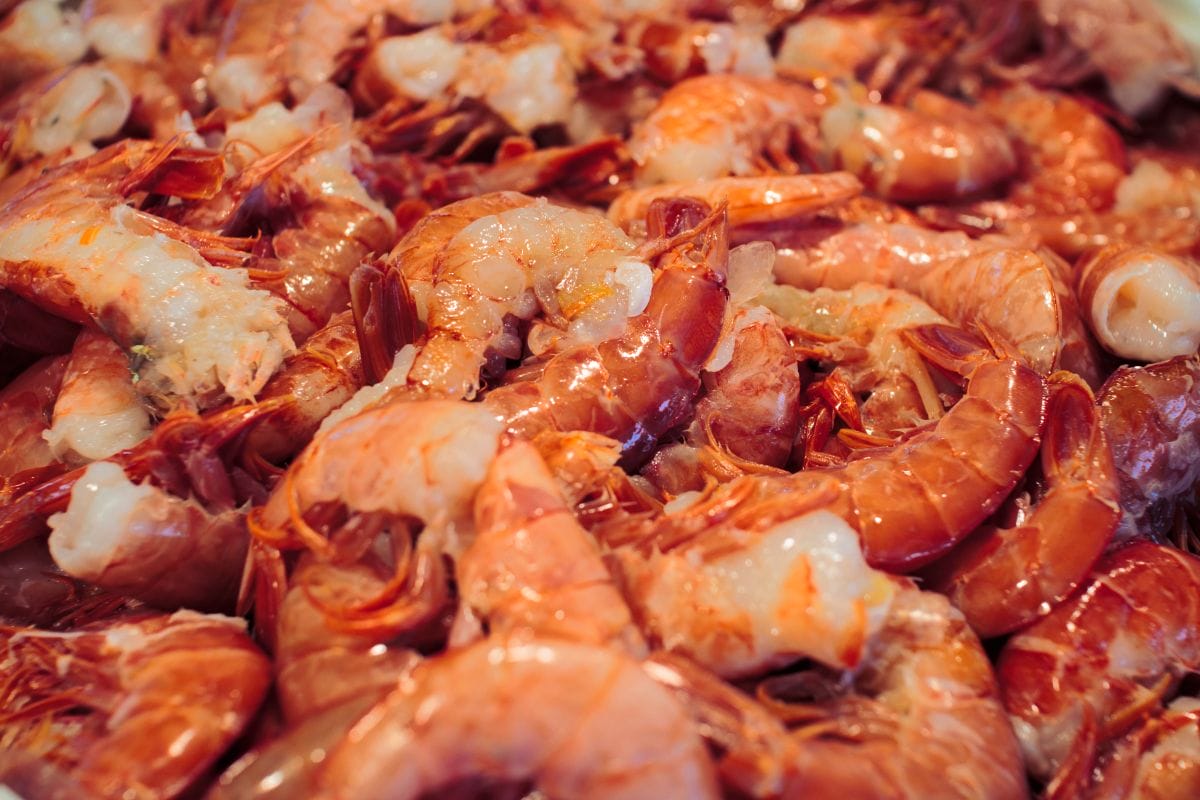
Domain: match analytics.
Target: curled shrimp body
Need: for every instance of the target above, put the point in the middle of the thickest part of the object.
(531, 566)
(716, 125)
(577, 266)
(1002, 578)
(1086, 672)
(26, 406)
(161, 697)
(219, 338)
(39, 36)
(576, 720)
(640, 384)
(1160, 758)
(1017, 293)
(925, 720)
(98, 411)
(743, 601)
(1151, 416)
(935, 149)
(139, 540)
(909, 503)
(1141, 303)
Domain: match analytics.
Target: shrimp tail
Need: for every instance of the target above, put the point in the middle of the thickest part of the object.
(385, 317)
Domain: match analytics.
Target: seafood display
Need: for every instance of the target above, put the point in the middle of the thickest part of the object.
(464, 398)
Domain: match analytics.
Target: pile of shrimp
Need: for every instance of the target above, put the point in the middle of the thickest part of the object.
(656, 399)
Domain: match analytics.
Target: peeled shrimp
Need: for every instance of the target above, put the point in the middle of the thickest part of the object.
(140, 541)
(1084, 674)
(742, 600)
(97, 412)
(38, 36)
(576, 720)
(126, 29)
(1002, 578)
(155, 699)
(1141, 303)
(217, 339)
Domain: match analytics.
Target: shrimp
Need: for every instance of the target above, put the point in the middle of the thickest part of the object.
(711, 126)
(576, 720)
(136, 707)
(26, 327)
(532, 567)
(750, 200)
(1151, 416)
(322, 375)
(640, 384)
(1159, 758)
(1086, 672)
(860, 330)
(1004, 578)
(35, 592)
(897, 498)
(26, 406)
(38, 36)
(674, 49)
(933, 149)
(931, 724)
(63, 111)
(750, 409)
(140, 541)
(1019, 294)
(577, 266)
(125, 29)
(740, 601)
(219, 338)
(97, 412)
(1141, 303)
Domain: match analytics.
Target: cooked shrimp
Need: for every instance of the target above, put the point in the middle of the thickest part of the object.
(717, 125)
(934, 149)
(674, 49)
(218, 338)
(97, 412)
(319, 377)
(931, 724)
(995, 286)
(860, 330)
(640, 384)
(897, 499)
(576, 266)
(1160, 758)
(532, 567)
(1085, 673)
(26, 408)
(140, 541)
(127, 29)
(428, 459)
(35, 592)
(750, 409)
(1151, 416)
(64, 111)
(1142, 303)
(1003, 578)
(750, 200)
(742, 600)
(137, 707)
(576, 720)
(38, 36)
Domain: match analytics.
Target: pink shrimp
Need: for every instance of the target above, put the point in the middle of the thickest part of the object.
(97, 412)
(54, 231)
(26, 406)
(1019, 294)
(1002, 578)
(641, 384)
(577, 720)
(1151, 416)
(1084, 674)
(1140, 302)
(897, 499)
(162, 697)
